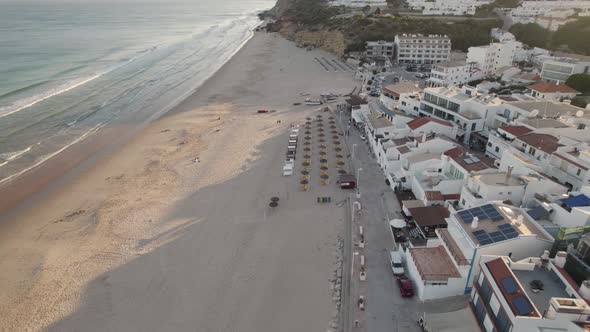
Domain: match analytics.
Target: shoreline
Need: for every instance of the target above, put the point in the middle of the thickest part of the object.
(172, 229)
(40, 180)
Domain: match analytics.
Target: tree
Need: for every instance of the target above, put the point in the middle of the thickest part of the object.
(575, 35)
(531, 34)
(580, 82)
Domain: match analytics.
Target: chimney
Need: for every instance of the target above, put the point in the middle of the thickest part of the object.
(560, 258)
(508, 174)
(475, 222)
(585, 289)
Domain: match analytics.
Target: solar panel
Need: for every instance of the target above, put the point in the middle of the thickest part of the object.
(476, 233)
(482, 237)
(509, 285)
(512, 235)
(486, 242)
(522, 305)
(464, 213)
(498, 237)
(505, 226)
(468, 220)
(485, 212)
(498, 218)
(488, 206)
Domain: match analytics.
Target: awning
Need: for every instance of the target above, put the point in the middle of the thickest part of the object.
(580, 200)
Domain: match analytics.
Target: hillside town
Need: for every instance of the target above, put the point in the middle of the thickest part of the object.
(489, 160)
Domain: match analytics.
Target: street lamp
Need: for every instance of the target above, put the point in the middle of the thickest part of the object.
(358, 171)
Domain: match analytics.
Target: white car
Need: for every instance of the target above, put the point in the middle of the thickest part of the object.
(397, 265)
(288, 170)
(363, 137)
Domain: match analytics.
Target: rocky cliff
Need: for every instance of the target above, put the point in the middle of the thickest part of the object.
(331, 41)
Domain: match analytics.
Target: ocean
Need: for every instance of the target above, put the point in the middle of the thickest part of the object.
(70, 68)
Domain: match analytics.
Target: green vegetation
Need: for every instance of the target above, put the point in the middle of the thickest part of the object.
(463, 34)
(488, 10)
(580, 82)
(310, 12)
(573, 37)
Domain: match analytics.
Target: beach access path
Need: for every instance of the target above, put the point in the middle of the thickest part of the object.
(173, 232)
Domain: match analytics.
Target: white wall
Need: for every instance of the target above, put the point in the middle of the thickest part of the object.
(579, 216)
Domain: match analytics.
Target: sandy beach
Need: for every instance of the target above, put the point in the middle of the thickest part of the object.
(172, 231)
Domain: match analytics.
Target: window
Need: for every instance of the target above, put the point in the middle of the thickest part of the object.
(472, 126)
(490, 144)
(532, 151)
(463, 202)
(497, 149)
(509, 193)
(578, 172)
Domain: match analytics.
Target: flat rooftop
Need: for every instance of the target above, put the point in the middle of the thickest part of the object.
(553, 287)
(423, 157)
(543, 123)
(499, 179)
(378, 120)
(497, 223)
(434, 264)
(547, 109)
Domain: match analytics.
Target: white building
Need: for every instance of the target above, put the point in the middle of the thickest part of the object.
(422, 49)
(551, 91)
(392, 95)
(379, 49)
(560, 69)
(447, 7)
(500, 139)
(494, 56)
(501, 35)
(531, 294)
(358, 3)
(570, 165)
(500, 186)
(453, 73)
(491, 229)
(529, 9)
(465, 107)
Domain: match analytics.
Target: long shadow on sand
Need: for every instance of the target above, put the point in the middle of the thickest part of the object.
(225, 263)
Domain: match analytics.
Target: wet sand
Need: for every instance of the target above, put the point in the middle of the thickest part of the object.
(147, 239)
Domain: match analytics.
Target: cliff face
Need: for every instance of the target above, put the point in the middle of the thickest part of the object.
(331, 41)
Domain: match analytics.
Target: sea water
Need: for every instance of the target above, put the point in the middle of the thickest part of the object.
(70, 67)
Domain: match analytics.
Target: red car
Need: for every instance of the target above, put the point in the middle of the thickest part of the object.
(405, 286)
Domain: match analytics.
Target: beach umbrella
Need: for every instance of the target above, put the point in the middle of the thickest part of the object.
(324, 176)
(305, 172)
(308, 132)
(336, 143)
(331, 122)
(340, 163)
(273, 204)
(330, 117)
(321, 135)
(305, 163)
(320, 129)
(321, 140)
(304, 182)
(320, 124)
(323, 160)
(324, 168)
(333, 127)
(318, 116)
(322, 146)
(307, 137)
(337, 149)
(323, 153)
(339, 156)
(274, 199)
(335, 137)
(307, 149)
(307, 143)
(306, 156)
(397, 223)
(342, 171)
(334, 132)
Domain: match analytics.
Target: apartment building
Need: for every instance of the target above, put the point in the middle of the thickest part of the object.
(379, 49)
(447, 7)
(392, 95)
(422, 49)
(532, 294)
(494, 56)
(547, 8)
(560, 69)
(501, 138)
(453, 73)
(569, 165)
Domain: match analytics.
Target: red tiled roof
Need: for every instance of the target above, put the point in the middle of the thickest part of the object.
(499, 271)
(550, 87)
(420, 121)
(516, 130)
(451, 197)
(544, 142)
(402, 141)
(458, 154)
(434, 195)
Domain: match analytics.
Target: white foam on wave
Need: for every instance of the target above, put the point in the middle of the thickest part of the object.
(5, 158)
(33, 100)
(53, 154)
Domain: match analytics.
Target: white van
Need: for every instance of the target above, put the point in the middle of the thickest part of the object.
(396, 263)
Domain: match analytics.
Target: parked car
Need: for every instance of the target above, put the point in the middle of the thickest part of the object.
(363, 137)
(421, 75)
(397, 266)
(405, 286)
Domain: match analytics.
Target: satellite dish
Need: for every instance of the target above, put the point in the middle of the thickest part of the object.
(579, 114)
(533, 113)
